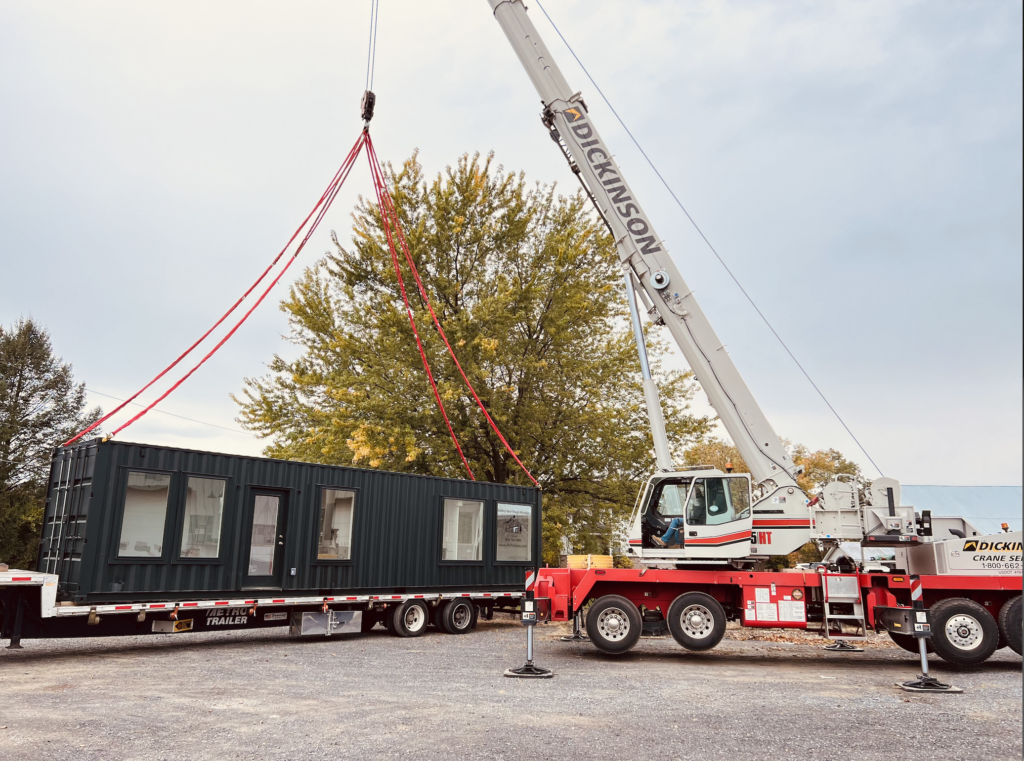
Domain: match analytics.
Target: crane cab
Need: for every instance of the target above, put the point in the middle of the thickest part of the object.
(694, 515)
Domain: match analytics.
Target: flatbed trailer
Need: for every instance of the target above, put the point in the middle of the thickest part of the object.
(139, 539)
(968, 617)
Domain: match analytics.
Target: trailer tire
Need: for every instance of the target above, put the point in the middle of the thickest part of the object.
(963, 632)
(696, 620)
(457, 616)
(437, 616)
(1010, 622)
(410, 618)
(614, 624)
(909, 643)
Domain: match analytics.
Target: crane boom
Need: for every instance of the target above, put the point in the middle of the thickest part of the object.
(648, 268)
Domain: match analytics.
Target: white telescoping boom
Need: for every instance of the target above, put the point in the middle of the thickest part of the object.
(648, 267)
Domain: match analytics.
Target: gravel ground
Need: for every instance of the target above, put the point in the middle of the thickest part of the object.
(265, 695)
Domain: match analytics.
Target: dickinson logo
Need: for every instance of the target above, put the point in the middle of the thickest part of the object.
(600, 161)
(973, 545)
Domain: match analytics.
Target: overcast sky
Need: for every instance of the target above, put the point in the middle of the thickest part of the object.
(857, 164)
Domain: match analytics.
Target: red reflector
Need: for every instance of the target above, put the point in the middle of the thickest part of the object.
(122, 607)
(221, 602)
(189, 604)
(418, 597)
(21, 578)
(161, 605)
(278, 601)
(250, 602)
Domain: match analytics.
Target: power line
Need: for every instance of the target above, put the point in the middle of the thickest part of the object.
(181, 417)
(704, 237)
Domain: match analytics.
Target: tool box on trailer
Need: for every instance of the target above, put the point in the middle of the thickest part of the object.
(132, 522)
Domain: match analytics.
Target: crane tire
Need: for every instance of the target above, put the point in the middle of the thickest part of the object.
(410, 618)
(909, 643)
(696, 620)
(457, 616)
(963, 632)
(1010, 623)
(614, 624)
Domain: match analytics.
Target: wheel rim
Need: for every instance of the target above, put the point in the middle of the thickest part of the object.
(964, 632)
(461, 616)
(414, 619)
(696, 621)
(613, 624)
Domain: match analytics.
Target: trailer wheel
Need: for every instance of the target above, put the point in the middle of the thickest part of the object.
(696, 620)
(963, 632)
(909, 643)
(1010, 623)
(457, 616)
(614, 624)
(410, 618)
(437, 616)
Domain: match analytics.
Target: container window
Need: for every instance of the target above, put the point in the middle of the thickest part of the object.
(204, 513)
(463, 530)
(145, 510)
(513, 532)
(336, 508)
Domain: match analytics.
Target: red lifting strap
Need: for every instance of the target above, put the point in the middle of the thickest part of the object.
(322, 205)
(383, 196)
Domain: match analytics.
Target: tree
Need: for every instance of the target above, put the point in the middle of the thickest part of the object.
(40, 407)
(715, 453)
(527, 286)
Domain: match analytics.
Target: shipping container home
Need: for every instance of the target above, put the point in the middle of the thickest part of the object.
(150, 527)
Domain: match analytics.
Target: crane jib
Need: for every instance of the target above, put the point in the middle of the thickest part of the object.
(600, 161)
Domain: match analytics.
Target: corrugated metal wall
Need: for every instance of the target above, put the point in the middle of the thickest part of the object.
(396, 527)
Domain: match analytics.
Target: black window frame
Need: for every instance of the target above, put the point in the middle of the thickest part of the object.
(532, 562)
(315, 549)
(485, 520)
(115, 558)
(226, 517)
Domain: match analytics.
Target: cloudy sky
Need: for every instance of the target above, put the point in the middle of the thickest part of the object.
(857, 164)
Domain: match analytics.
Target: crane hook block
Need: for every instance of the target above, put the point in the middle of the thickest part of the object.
(366, 104)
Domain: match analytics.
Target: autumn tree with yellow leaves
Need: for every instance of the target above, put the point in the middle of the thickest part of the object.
(527, 286)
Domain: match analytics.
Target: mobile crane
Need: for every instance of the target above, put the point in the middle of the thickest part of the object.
(967, 587)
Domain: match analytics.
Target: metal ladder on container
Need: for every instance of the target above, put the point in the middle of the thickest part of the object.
(843, 589)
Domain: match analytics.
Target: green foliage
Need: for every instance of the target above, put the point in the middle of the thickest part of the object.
(40, 407)
(527, 287)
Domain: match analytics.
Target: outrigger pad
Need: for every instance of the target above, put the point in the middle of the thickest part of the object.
(842, 646)
(529, 671)
(574, 638)
(927, 684)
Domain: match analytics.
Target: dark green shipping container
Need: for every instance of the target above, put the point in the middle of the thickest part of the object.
(132, 522)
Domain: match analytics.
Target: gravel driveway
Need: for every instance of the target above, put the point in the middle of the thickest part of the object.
(266, 695)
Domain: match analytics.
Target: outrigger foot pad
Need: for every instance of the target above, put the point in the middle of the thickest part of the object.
(842, 646)
(574, 638)
(529, 671)
(927, 684)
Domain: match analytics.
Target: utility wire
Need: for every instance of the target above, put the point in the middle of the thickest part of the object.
(182, 417)
(704, 237)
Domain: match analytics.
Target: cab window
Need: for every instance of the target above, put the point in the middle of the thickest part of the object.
(672, 499)
(714, 501)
